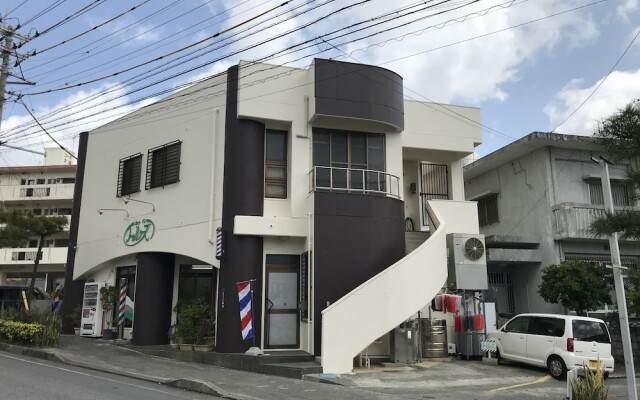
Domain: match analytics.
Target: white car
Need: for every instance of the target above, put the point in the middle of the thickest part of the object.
(558, 342)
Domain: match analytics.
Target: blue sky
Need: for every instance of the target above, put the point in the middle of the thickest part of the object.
(535, 64)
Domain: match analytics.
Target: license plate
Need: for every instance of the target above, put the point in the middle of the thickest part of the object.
(593, 364)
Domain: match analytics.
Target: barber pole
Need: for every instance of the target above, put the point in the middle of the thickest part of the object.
(122, 301)
(219, 249)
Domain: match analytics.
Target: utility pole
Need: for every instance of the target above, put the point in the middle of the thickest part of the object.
(4, 72)
(619, 284)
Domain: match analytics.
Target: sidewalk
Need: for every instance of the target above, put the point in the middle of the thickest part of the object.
(105, 356)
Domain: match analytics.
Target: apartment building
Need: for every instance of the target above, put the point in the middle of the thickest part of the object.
(45, 189)
(536, 200)
(300, 180)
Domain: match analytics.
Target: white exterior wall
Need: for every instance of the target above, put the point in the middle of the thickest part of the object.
(187, 212)
(184, 221)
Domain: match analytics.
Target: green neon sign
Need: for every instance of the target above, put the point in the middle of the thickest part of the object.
(138, 231)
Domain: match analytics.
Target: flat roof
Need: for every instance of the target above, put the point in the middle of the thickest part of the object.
(525, 145)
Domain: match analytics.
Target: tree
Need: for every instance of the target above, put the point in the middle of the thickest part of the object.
(619, 135)
(580, 286)
(21, 225)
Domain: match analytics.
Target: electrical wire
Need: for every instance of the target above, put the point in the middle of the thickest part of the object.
(92, 29)
(15, 8)
(45, 131)
(160, 57)
(45, 11)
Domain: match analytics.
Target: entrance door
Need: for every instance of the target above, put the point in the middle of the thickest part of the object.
(281, 305)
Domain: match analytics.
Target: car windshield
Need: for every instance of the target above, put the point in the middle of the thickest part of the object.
(590, 331)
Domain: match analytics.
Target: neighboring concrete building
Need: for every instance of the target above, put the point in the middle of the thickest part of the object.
(312, 176)
(44, 190)
(536, 200)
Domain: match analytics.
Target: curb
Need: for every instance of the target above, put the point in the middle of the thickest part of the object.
(191, 385)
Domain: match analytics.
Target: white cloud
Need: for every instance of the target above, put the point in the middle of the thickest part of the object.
(620, 88)
(627, 7)
(472, 71)
(85, 112)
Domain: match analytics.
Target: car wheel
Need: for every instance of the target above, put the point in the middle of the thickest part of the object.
(498, 356)
(606, 375)
(557, 367)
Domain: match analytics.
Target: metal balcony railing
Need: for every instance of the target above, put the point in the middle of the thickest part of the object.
(366, 181)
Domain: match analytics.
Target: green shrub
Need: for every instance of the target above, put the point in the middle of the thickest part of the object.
(33, 329)
(591, 386)
(189, 324)
(20, 332)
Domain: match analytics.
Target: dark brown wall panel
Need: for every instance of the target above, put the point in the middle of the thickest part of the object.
(359, 91)
(154, 292)
(355, 238)
(243, 195)
(74, 290)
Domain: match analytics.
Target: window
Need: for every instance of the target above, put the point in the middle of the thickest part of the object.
(352, 159)
(62, 243)
(197, 282)
(275, 164)
(547, 326)
(64, 211)
(488, 210)
(40, 181)
(163, 165)
(518, 325)
(621, 191)
(129, 175)
(68, 180)
(590, 331)
(51, 181)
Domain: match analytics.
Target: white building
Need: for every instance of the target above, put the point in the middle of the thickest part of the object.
(312, 176)
(537, 198)
(44, 190)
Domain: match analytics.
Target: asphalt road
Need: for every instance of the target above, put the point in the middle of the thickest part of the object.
(25, 378)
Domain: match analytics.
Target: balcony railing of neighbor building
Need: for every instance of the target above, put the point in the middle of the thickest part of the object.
(572, 220)
(351, 180)
(52, 192)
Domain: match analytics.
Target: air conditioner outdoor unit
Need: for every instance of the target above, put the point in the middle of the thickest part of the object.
(466, 262)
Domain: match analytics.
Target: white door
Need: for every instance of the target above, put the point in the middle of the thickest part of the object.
(513, 339)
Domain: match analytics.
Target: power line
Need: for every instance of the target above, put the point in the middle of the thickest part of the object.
(93, 29)
(45, 131)
(161, 57)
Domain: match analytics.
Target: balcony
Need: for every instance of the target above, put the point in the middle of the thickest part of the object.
(572, 220)
(349, 180)
(37, 192)
(19, 256)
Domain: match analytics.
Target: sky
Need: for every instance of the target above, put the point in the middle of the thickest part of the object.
(529, 65)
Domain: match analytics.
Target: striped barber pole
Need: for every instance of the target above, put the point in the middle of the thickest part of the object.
(245, 295)
(219, 250)
(122, 301)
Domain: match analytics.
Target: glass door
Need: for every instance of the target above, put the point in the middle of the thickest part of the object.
(281, 305)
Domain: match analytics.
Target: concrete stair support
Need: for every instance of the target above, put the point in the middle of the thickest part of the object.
(386, 300)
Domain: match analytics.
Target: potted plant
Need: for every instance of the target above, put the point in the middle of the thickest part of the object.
(205, 337)
(174, 338)
(76, 318)
(189, 315)
(108, 300)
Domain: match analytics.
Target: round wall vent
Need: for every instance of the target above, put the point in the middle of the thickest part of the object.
(473, 248)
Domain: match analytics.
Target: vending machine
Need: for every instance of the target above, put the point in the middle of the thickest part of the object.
(91, 323)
